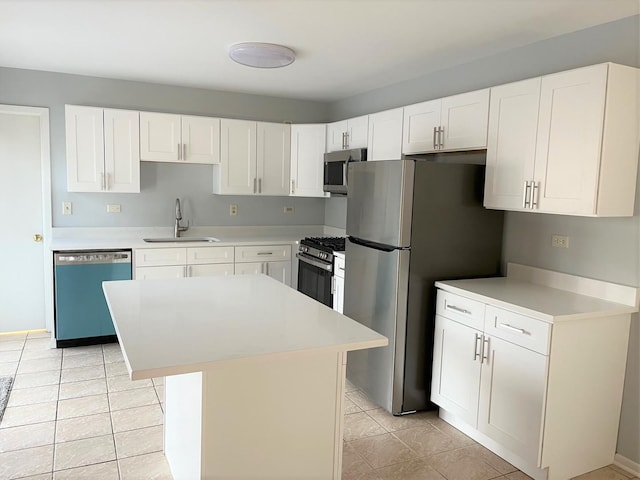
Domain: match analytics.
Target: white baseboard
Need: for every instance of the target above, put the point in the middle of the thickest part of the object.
(627, 465)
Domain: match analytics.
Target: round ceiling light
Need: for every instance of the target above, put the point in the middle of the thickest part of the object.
(261, 55)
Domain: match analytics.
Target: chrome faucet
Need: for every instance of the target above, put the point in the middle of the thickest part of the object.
(177, 228)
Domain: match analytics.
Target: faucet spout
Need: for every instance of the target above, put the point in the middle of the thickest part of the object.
(177, 228)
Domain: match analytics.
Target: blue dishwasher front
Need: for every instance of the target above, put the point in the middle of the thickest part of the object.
(81, 313)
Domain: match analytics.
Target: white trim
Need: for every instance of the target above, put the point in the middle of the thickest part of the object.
(608, 291)
(627, 465)
(45, 156)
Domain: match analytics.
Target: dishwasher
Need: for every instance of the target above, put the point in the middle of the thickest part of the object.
(81, 313)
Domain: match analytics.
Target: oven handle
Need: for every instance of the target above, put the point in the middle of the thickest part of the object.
(315, 263)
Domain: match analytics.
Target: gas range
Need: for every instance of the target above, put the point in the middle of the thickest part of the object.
(322, 249)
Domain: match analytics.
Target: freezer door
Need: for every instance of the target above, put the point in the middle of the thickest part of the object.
(380, 201)
(376, 284)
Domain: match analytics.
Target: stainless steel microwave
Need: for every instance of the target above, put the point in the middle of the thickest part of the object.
(336, 166)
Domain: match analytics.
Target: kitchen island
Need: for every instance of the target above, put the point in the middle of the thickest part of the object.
(255, 373)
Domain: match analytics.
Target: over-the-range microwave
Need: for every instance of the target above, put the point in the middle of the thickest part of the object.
(336, 165)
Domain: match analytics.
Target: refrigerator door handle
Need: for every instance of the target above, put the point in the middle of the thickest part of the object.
(374, 245)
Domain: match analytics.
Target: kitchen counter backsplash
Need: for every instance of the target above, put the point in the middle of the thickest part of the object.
(132, 237)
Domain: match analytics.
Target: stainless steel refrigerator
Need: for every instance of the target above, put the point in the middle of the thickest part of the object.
(409, 224)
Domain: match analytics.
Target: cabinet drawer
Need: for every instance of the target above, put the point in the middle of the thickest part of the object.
(266, 253)
(202, 255)
(518, 329)
(463, 310)
(151, 257)
(170, 271)
(339, 263)
(210, 270)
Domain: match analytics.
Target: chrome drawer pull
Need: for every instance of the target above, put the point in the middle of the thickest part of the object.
(485, 350)
(513, 329)
(458, 309)
(265, 253)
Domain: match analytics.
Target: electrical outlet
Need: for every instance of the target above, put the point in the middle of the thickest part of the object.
(559, 241)
(66, 208)
(288, 209)
(233, 210)
(113, 208)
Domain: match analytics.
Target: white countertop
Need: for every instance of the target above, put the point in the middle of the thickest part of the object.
(539, 301)
(175, 326)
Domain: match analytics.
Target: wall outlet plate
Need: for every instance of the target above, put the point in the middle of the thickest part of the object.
(113, 208)
(233, 210)
(288, 209)
(66, 208)
(559, 241)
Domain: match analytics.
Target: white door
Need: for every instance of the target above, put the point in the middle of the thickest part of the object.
(85, 148)
(357, 132)
(456, 369)
(307, 160)
(570, 140)
(201, 139)
(281, 271)
(464, 121)
(273, 158)
(511, 143)
(385, 135)
(160, 137)
(238, 173)
(25, 185)
(418, 129)
(335, 136)
(122, 151)
(512, 397)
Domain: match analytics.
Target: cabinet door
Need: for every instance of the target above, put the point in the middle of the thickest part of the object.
(238, 173)
(273, 158)
(160, 137)
(569, 140)
(249, 268)
(210, 270)
(335, 136)
(358, 132)
(420, 120)
(85, 148)
(167, 271)
(200, 139)
(307, 160)
(338, 293)
(385, 135)
(281, 271)
(455, 382)
(512, 397)
(122, 151)
(511, 143)
(464, 121)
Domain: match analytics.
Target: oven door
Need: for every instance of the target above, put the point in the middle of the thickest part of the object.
(314, 279)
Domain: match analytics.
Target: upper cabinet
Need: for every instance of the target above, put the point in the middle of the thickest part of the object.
(453, 123)
(576, 153)
(351, 133)
(103, 153)
(255, 158)
(385, 135)
(167, 137)
(307, 160)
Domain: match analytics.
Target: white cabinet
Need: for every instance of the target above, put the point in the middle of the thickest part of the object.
(102, 150)
(168, 137)
(183, 262)
(271, 260)
(385, 135)
(585, 156)
(345, 134)
(255, 158)
(338, 282)
(307, 160)
(452, 123)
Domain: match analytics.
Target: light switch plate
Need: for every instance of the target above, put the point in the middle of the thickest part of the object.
(559, 241)
(66, 208)
(113, 208)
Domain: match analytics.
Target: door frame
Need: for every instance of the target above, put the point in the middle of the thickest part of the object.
(45, 168)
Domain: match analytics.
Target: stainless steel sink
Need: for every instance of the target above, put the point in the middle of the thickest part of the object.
(181, 239)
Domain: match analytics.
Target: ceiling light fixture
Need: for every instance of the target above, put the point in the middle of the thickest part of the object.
(261, 55)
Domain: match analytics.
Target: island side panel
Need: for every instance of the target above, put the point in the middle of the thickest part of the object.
(277, 417)
(183, 424)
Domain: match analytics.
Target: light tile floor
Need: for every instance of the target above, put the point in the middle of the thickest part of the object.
(74, 414)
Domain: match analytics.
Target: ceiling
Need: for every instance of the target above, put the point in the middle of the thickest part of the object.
(344, 47)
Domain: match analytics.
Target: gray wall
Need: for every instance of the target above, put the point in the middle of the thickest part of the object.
(604, 248)
(160, 183)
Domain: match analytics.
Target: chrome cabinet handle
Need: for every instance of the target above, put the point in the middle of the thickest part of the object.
(344, 141)
(179, 152)
(485, 350)
(526, 203)
(346, 136)
(102, 187)
(184, 152)
(260, 185)
(267, 268)
(513, 329)
(435, 142)
(457, 309)
(534, 196)
(255, 181)
(476, 349)
(293, 186)
(184, 271)
(440, 138)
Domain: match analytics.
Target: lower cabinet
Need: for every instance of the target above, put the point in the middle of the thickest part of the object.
(272, 260)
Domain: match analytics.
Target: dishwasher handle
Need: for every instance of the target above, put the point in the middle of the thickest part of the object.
(88, 257)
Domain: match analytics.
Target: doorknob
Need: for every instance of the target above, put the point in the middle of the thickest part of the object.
(37, 237)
